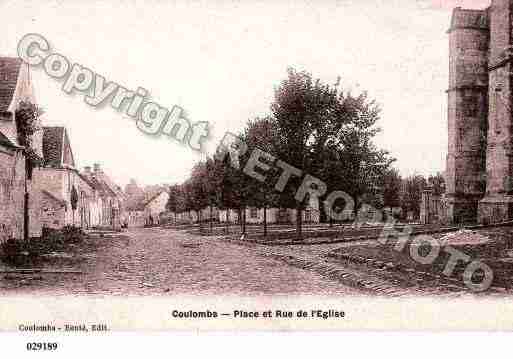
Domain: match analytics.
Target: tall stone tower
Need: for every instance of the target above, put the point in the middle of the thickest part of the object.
(497, 205)
(467, 113)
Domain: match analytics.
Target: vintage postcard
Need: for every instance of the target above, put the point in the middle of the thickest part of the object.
(255, 165)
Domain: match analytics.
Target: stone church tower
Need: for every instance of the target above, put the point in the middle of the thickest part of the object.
(497, 205)
(467, 113)
(479, 170)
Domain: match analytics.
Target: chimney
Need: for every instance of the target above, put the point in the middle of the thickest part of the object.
(97, 167)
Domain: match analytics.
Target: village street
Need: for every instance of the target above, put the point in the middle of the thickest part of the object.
(169, 262)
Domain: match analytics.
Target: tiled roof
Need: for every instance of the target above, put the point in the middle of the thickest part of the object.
(9, 71)
(108, 189)
(96, 183)
(469, 18)
(53, 146)
(4, 141)
(152, 198)
(139, 202)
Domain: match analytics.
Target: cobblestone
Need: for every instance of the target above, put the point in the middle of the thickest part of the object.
(168, 262)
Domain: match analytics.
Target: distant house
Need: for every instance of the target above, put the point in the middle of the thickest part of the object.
(96, 206)
(20, 198)
(155, 206)
(228, 215)
(134, 204)
(58, 179)
(186, 217)
(136, 214)
(109, 209)
(274, 215)
(147, 211)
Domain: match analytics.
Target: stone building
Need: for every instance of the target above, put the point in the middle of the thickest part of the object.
(58, 178)
(155, 206)
(144, 211)
(12, 190)
(20, 197)
(109, 208)
(132, 190)
(479, 161)
(99, 200)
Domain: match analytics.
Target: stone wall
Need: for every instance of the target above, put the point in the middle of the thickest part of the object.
(59, 182)
(34, 204)
(467, 114)
(497, 205)
(53, 214)
(12, 194)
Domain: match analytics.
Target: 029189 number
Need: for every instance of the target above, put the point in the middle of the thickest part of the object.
(42, 346)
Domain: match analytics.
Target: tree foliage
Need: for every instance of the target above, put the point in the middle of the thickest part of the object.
(27, 122)
(318, 128)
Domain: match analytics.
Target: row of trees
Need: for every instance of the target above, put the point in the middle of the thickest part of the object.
(406, 193)
(315, 127)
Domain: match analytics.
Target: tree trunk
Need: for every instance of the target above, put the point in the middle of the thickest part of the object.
(227, 221)
(200, 221)
(355, 212)
(265, 221)
(244, 220)
(239, 218)
(211, 219)
(26, 215)
(299, 223)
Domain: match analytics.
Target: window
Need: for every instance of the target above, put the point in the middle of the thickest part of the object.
(253, 212)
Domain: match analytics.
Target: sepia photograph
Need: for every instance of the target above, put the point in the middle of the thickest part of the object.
(255, 165)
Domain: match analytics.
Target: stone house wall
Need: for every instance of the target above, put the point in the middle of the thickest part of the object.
(12, 194)
(95, 209)
(53, 214)
(59, 182)
(34, 204)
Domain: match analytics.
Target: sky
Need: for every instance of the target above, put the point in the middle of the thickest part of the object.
(222, 60)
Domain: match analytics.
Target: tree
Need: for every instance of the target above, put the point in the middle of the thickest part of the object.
(198, 191)
(329, 133)
(412, 194)
(212, 182)
(392, 188)
(303, 111)
(229, 192)
(357, 166)
(261, 134)
(182, 205)
(27, 122)
(238, 190)
(174, 198)
(437, 182)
